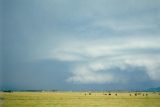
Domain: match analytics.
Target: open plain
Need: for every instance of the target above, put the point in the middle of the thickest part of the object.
(79, 99)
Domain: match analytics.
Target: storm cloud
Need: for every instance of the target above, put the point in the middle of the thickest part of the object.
(81, 44)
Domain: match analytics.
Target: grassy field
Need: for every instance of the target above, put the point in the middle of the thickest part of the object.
(78, 99)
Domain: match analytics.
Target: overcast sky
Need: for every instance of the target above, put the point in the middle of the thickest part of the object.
(80, 44)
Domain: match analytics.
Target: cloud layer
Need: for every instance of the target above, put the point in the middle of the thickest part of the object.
(109, 39)
(84, 42)
(96, 60)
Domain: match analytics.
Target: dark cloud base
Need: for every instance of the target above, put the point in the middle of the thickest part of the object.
(52, 75)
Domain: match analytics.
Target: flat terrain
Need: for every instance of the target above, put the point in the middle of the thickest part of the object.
(78, 99)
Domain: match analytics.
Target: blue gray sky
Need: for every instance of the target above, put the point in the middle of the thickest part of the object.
(80, 44)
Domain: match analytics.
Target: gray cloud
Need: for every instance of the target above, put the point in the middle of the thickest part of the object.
(106, 54)
(111, 42)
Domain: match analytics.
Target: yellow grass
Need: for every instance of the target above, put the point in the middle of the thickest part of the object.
(78, 99)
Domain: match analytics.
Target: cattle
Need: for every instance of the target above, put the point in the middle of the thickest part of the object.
(135, 94)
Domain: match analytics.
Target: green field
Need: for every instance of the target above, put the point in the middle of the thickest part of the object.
(78, 99)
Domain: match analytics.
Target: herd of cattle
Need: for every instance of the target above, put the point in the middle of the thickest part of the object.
(130, 94)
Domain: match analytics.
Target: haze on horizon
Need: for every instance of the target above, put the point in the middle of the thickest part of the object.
(79, 44)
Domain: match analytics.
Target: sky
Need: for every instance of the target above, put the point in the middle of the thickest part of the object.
(79, 44)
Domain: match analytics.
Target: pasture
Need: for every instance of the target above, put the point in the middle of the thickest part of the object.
(79, 99)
